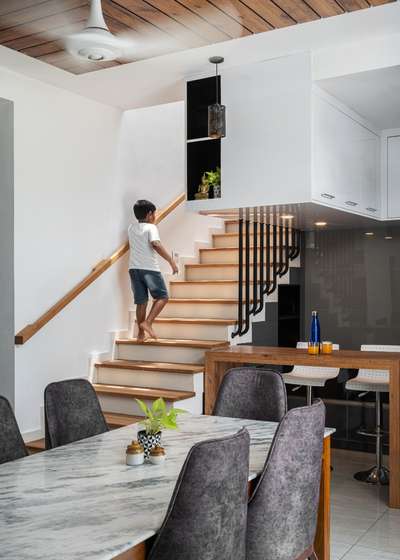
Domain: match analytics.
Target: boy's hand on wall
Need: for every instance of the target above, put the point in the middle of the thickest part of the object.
(174, 267)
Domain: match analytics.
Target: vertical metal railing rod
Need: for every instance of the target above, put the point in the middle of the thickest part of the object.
(274, 281)
(255, 262)
(259, 305)
(285, 267)
(239, 327)
(246, 326)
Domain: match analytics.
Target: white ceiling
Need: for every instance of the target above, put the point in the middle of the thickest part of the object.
(160, 80)
(375, 95)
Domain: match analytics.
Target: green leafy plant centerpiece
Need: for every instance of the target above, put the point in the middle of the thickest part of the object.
(156, 418)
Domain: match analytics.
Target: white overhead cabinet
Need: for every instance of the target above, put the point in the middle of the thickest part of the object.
(346, 159)
(393, 176)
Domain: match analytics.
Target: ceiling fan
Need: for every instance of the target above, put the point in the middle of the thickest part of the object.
(96, 43)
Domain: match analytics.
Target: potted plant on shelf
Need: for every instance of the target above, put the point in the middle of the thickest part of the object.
(214, 180)
(156, 418)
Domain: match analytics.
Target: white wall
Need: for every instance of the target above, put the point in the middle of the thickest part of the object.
(79, 167)
(151, 165)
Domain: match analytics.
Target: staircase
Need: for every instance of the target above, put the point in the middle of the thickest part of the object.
(201, 314)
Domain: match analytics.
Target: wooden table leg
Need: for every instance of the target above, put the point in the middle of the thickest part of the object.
(213, 374)
(322, 542)
(394, 436)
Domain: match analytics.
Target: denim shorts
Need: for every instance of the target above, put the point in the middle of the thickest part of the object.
(145, 281)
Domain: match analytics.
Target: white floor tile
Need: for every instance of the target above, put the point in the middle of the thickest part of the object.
(363, 553)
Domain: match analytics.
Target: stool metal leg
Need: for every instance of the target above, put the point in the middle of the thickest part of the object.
(378, 474)
(309, 395)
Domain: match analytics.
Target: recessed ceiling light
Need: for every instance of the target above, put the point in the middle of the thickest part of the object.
(388, 237)
(369, 233)
(287, 217)
(321, 224)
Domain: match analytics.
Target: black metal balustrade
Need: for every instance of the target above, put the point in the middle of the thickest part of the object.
(274, 246)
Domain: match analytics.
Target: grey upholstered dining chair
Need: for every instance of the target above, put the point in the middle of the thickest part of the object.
(206, 517)
(11, 443)
(252, 393)
(72, 412)
(282, 515)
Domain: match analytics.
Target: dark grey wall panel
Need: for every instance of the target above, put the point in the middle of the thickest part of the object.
(353, 280)
(6, 252)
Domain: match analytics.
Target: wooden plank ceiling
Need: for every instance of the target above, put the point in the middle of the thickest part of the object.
(34, 27)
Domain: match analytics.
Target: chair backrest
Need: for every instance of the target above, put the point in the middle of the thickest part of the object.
(252, 393)
(206, 517)
(378, 373)
(302, 371)
(11, 443)
(282, 515)
(72, 412)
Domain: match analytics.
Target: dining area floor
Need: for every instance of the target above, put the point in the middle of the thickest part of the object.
(362, 525)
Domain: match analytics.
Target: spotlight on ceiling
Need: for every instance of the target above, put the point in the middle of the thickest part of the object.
(369, 233)
(287, 217)
(388, 237)
(321, 224)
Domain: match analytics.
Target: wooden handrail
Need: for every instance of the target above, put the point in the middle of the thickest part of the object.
(27, 332)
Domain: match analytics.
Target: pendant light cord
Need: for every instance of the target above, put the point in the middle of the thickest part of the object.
(216, 83)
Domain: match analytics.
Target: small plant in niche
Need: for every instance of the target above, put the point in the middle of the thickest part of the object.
(214, 181)
(157, 417)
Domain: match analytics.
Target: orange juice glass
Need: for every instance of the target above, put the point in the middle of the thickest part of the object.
(313, 348)
(327, 347)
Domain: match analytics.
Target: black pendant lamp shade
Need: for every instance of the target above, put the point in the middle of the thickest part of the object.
(216, 111)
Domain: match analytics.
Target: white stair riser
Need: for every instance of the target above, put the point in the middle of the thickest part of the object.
(224, 256)
(212, 272)
(191, 331)
(200, 310)
(151, 379)
(182, 290)
(149, 353)
(231, 227)
(128, 405)
(222, 241)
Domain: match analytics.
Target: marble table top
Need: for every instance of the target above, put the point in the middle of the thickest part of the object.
(82, 501)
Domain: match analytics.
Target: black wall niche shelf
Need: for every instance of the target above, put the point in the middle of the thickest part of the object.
(201, 156)
(202, 153)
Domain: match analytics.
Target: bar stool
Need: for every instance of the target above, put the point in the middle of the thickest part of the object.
(377, 381)
(310, 376)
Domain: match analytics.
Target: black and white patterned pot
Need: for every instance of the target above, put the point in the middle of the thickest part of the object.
(148, 441)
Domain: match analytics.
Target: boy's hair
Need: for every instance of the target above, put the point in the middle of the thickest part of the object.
(142, 208)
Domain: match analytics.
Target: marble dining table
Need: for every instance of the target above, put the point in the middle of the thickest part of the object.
(81, 501)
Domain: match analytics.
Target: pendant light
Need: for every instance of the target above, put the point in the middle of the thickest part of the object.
(216, 111)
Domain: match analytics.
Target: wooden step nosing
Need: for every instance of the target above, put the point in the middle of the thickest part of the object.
(167, 367)
(198, 344)
(144, 393)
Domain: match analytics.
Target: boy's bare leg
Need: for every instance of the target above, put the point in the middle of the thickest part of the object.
(156, 308)
(140, 317)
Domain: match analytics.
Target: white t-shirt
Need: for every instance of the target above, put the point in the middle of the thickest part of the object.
(142, 255)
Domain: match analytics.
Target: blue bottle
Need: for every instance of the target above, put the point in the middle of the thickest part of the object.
(315, 336)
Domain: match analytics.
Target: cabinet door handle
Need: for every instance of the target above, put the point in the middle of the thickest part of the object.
(351, 203)
(370, 209)
(327, 195)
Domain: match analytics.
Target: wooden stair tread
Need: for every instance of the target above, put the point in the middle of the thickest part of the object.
(119, 420)
(142, 392)
(220, 265)
(167, 367)
(203, 282)
(204, 344)
(194, 321)
(229, 301)
(231, 248)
